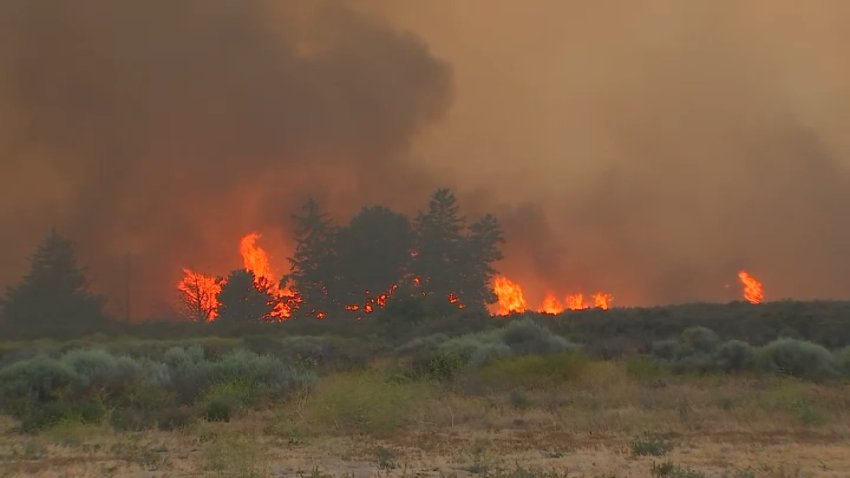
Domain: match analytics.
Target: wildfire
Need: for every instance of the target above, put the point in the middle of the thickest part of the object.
(551, 305)
(256, 260)
(200, 294)
(511, 298)
(753, 290)
(602, 300)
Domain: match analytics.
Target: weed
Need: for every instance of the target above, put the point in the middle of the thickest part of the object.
(650, 445)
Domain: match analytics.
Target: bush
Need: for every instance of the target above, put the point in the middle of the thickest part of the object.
(33, 382)
(667, 349)
(698, 340)
(735, 356)
(526, 337)
(797, 358)
(645, 368)
(842, 360)
(650, 445)
(365, 402)
(534, 370)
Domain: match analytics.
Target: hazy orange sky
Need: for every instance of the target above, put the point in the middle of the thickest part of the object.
(651, 149)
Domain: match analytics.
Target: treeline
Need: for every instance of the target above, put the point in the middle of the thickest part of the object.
(380, 259)
(380, 256)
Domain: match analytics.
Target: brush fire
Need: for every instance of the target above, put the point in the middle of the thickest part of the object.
(200, 292)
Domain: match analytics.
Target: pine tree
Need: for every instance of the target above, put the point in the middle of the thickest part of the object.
(242, 300)
(373, 253)
(313, 271)
(439, 245)
(55, 291)
(482, 250)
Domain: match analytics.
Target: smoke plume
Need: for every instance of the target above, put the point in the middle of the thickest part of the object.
(651, 149)
(167, 129)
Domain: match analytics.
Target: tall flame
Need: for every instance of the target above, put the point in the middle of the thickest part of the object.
(602, 300)
(753, 290)
(256, 260)
(511, 298)
(576, 302)
(551, 305)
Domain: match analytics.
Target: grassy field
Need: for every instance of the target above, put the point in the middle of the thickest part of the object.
(603, 419)
(518, 398)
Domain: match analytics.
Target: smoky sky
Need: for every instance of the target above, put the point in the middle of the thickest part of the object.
(651, 149)
(166, 129)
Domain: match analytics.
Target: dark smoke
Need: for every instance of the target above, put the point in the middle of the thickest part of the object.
(166, 129)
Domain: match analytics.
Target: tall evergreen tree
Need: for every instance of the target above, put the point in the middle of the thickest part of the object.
(241, 299)
(313, 272)
(482, 250)
(373, 253)
(55, 291)
(439, 245)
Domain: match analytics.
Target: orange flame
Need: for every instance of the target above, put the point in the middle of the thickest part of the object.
(576, 302)
(200, 292)
(602, 300)
(511, 298)
(256, 260)
(753, 290)
(551, 305)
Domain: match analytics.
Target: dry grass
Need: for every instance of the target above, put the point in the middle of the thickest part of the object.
(735, 427)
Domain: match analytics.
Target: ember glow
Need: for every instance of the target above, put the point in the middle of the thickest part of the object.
(753, 290)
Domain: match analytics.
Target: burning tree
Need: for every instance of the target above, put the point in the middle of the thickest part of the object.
(313, 263)
(373, 254)
(199, 296)
(243, 298)
(55, 292)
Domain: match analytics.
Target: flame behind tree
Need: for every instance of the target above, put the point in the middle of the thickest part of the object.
(551, 305)
(256, 260)
(753, 290)
(511, 297)
(199, 294)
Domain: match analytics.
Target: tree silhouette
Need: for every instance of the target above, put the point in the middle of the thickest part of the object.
(313, 269)
(373, 253)
(439, 245)
(481, 251)
(243, 300)
(55, 291)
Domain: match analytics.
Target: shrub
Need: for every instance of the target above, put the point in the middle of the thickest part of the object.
(698, 340)
(534, 370)
(365, 402)
(100, 372)
(650, 445)
(797, 358)
(645, 368)
(526, 337)
(735, 356)
(842, 360)
(667, 349)
(34, 381)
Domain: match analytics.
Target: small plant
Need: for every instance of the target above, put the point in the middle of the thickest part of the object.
(670, 470)
(520, 400)
(385, 459)
(650, 445)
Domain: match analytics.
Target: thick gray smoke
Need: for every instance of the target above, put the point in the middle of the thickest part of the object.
(166, 129)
